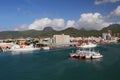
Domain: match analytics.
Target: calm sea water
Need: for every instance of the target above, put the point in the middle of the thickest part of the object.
(56, 65)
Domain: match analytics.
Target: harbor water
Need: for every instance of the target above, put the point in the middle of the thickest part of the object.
(57, 65)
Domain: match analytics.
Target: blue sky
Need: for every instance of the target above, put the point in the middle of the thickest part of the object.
(60, 14)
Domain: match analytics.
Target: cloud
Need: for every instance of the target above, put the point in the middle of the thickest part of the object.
(70, 23)
(58, 24)
(91, 21)
(116, 12)
(97, 2)
(40, 24)
(87, 21)
(21, 27)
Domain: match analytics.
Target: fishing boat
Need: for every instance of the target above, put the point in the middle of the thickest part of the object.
(72, 55)
(96, 56)
(86, 54)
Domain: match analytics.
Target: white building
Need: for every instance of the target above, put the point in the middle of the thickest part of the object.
(106, 36)
(61, 39)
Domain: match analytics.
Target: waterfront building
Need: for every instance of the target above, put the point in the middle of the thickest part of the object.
(97, 39)
(109, 36)
(106, 36)
(61, 39)
(110, 32)
(1, 41)
(46, 41)
(75, 39)
(21, 41)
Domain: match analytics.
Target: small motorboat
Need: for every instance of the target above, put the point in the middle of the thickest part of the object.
(96, 56)
(86, 54)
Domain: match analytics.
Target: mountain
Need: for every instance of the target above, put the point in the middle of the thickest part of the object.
(114, 27)
(48, 29)
(30, 33)
(17, 34)
(70, 31)
(9, 34)
(49, 32)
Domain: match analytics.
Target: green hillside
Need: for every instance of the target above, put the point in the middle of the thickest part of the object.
(49, 32)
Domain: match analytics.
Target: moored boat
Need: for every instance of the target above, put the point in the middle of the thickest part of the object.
(22, 48)
(46, 48)
(96, 56)
(72, 55)
(87, 45)
(86, 54)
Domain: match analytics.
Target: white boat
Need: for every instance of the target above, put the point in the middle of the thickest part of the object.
(86, 54)
(87, 57)
(93, 54)
(4, 44)
(72, 55)
(23, 48)
(87, 45)
(46, 48)
(96, 56)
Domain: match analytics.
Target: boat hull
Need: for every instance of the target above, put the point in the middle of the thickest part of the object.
(46, 48)
(24, 49)
(90, 45)
(86, 54)
(97, 56)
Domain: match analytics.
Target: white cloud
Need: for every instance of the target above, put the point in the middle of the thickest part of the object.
(40, 24)
(21, 27)
(116, 12)
(87, 21)
(58, 24)
(70, 23)
(97, 2)
(91, 21)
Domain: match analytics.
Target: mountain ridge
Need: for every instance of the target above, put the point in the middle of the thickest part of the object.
(49, 31)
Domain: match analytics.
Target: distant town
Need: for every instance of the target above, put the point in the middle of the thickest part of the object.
(61, 40)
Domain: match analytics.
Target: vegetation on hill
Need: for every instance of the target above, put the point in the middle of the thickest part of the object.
(49, 32)
(114, 27)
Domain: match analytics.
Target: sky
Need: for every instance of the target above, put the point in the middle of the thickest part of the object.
(59, 14)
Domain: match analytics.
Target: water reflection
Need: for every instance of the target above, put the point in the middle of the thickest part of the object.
(87, 60)
(94, 60)
(17, 53)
